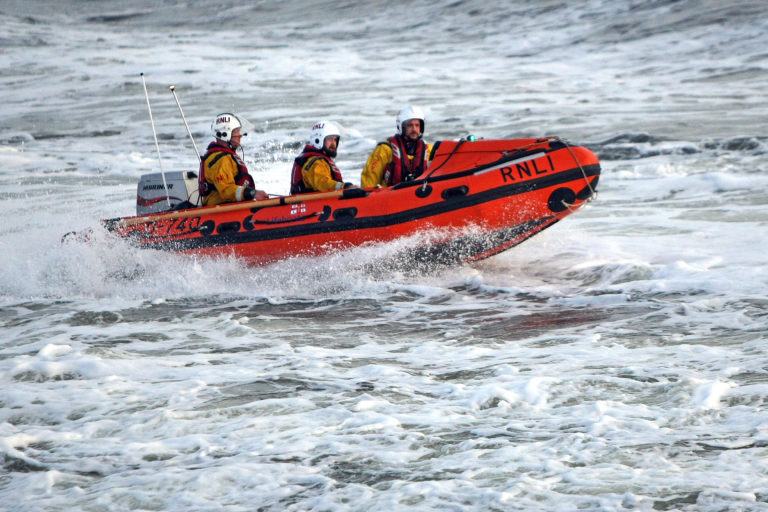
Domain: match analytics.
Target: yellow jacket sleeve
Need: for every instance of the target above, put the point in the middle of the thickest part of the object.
(316, 174)
(378, 160)
(222, 176)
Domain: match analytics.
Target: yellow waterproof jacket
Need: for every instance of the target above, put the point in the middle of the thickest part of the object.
(222, 173)
(376, 166)
(317, 176)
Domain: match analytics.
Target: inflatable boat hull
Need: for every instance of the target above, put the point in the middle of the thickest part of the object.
(475, 200)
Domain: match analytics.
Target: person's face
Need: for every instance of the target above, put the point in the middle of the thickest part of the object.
(331, 145)
(413, 129)
(235, 139)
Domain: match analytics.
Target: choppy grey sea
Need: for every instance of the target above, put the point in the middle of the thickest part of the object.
(615, 362)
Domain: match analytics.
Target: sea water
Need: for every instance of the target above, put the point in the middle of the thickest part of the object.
(616, 361)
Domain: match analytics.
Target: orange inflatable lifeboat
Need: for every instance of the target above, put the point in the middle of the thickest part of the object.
(476, 199)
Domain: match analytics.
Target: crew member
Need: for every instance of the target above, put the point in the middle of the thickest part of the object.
(314, 169)
(223, 176)
(402, 157)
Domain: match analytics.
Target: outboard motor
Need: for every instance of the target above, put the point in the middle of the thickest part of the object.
(152, 198)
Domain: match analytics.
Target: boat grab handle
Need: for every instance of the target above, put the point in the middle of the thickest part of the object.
(451, 193)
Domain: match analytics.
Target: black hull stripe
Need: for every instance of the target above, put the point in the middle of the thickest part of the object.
(363, 223)
(512, 157)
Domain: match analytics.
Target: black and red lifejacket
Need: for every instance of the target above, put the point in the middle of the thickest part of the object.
(403, 168)
(309, 153)
(241, 178)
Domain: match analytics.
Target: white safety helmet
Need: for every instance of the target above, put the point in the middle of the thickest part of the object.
(224, 124)
(320, 131)
(406, 115)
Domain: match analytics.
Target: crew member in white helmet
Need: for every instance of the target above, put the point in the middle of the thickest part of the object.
(314, 169)
(402, 157)
(223, 175)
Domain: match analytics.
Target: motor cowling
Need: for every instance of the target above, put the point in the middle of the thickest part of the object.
(152, 197)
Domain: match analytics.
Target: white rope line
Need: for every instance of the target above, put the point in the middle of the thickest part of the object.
(592, 191)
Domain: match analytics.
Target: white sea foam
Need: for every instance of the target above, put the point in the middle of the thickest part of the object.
(616, 361)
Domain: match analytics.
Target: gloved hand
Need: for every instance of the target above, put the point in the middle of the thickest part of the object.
(251, 193)
(348, 185)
